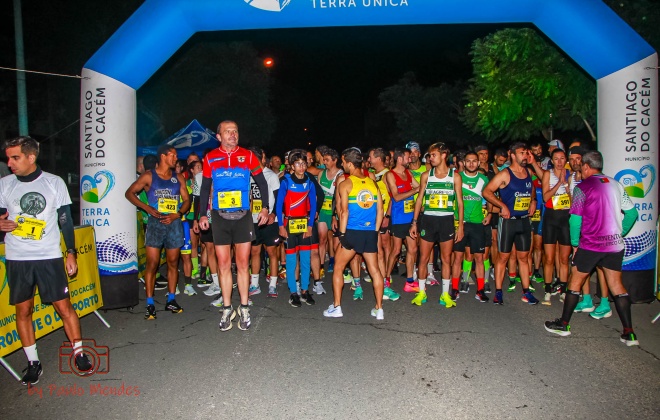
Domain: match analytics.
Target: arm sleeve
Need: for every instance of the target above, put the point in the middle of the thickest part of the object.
(261, 182)
(312, 200)
(575, 223)
(205, 191)
(66, 225)
(281, 194)
(629, 219)
(274, 206)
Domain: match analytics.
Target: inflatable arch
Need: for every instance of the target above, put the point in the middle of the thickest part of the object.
(623, 64)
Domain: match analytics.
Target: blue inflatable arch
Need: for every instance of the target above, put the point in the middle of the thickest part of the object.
(588, 31)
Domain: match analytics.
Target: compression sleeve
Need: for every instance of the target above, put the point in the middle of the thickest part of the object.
(196, 200)
(281, 195)
(205, 192)
(261, 182)
(575, 223)
(66, 225)
(629, 219)
(274, 206)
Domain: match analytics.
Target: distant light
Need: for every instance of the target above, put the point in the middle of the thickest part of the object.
(310, 143)
(268, 62)
(305, 129)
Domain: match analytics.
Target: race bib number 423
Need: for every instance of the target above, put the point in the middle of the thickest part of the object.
(29, 228)
(167, 205)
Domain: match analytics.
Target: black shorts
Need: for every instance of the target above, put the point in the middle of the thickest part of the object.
(437, 229)
(518, 231)
(400, 230)
(488, 235)
(585, 261)
(473, 238)
(362, 241)
(206, 235)
(268, 235)
(159, 235)
(48, 275)
(556, 227)
(228, 232)
(296, 242)
(494, 220)
(315, 235)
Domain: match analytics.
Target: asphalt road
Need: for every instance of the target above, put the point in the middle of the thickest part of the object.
(472, 361)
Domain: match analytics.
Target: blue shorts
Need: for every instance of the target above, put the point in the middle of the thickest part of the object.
(159, 235)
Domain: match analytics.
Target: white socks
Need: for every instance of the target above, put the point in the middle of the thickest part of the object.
(254, 279)
(446, 283)
(31, 353)
(422, 285)
(214, 277)
(273, 281)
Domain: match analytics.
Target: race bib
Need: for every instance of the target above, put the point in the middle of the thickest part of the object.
(297, 225)
(561, 202)
(536, 217)
(409, 206)
(29, 228)
(256, 206)
(484, 212)
(455, 224)
(327, 204)
(522, 203)
(167, 205)
(229, 200)
(438, 201)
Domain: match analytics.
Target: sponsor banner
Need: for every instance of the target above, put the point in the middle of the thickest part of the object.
(107, 168)
(84, 289)
(628, 140)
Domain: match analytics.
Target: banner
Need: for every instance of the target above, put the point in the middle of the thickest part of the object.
(84, 289)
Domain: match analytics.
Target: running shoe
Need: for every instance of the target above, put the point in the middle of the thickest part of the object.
(333, 312)
(173, 306)
(532, 288)
(512, 284)
(318, 288)
(189, 290)
(294, 300)
(536, 277)
(558, 327)
(33, 372)
(348, 278)
(243, 318)
(389, 294)
(282, 273)
(160, 285)
(331, 267)
(487, 288)
(204, 282)
(228, 315)
(481, 296)
(431, 281)
(307, 298)
(454, 295)
(83, 364)
(272, 291)
(218, 303)
(378, 313)
(464, 287)
(529, 298)
(602, 311)
(420, 298)
(629, 339)
(358, 295)
(298, 287)
(254, 290)
(546, 299)
(411, 287)
(195, 274)
(498, 299)
(176, 291)
(586, 307)
(213, 290)
(558, 289)
(151, 312)
(562, 297)
(366, 277)
(446, 301)
(322, 272)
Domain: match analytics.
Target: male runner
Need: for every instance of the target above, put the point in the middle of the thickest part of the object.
(601, 215)
(32, 203)
(227, 169)
(328, 181)
(168, 201)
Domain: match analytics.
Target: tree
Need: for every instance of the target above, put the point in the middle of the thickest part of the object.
(427, 114)
(523, 85)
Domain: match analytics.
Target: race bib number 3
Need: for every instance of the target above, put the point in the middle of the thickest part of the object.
(438, 201)
(409, 206)
(522, 203)
(166, 205)
(29, 228)
(561, 202)
(229, 200)
(297, 225)
(256, 206)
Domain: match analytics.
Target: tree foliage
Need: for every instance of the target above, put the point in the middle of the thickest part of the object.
(523, 85)
(426, 114)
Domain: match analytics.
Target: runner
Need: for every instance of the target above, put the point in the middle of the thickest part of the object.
(33, 203)
(168, 202)
(328, 181)
(601, 215)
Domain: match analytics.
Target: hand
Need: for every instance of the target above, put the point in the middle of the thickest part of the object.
(262, 218)
(308, 233)
(386, 222)
(271, 219)
(504, 212)
(335, 224)
(486, 220)
(195, 227)
(5, 224)
(167, 219)
(71, 265)
(413, 230)
(283, 232)
(153, 212)
(204, 223)
(459, 234)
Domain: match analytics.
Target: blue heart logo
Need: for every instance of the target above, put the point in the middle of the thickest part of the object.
(91, 185)
(270, 5)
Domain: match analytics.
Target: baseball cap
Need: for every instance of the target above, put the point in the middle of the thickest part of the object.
(577, 150)
(557, 143)
(413, 145)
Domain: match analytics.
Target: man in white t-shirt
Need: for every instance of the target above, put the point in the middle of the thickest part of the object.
(35, 205)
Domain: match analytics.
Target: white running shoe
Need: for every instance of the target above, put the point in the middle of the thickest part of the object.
(333, 312)
(213, 290)
(189, 290)
(546, 299)
(176, 292)
(378, 313)
(218, 302)
(318, 288)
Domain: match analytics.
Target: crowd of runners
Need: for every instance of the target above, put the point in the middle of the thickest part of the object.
(534, 219)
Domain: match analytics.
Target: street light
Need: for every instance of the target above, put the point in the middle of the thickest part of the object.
(268, 62)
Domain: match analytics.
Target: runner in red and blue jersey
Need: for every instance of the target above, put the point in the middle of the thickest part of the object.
(228, 169)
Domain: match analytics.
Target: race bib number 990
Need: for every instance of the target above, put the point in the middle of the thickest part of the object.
(297, 225)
